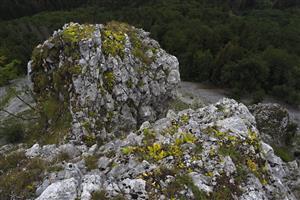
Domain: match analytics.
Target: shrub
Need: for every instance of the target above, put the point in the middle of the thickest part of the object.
(12, 131)
(9, 72)
(91, 162)
(284, 153)
(97, 195)
(20, 176)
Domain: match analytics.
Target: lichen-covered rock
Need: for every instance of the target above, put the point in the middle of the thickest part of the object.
(272, 121)
(61, 190)
(110, 78)
(277, 129)
(214, 152)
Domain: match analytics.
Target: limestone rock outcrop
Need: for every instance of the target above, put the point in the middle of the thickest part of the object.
(109, 77)
(214, 152)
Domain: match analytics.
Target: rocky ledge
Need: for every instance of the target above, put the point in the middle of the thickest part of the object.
(214, 152)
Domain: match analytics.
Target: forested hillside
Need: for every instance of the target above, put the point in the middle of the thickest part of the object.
(10, 9)
(249, 46)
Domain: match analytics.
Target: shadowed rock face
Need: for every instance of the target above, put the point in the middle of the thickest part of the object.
(272, 121)
(110, 78)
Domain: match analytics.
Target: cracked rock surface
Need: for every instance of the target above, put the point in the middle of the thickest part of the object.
(109, 77)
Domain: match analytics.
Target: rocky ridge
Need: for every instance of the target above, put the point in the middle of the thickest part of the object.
(113, 83)
(214, 152)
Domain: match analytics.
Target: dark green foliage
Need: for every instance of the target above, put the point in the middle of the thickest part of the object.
(8, 71)
(12, 131)
(19, 175)
(99, 195)
(179, 183)
(284, 153)
(18, 8)
(91, 162)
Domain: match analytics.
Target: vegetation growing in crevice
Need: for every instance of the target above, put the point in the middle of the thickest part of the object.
(284, 153)
(113, 38)
(75, 32)
(233, 147)
(12, 131)
(20, 176)
(179, 183)
(113, 42)
(225, 189)
(91, 162)
(109, 80)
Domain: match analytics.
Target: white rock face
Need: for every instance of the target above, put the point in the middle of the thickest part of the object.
(184, 152)
(110, 83)
(91, 183)
(61, 190)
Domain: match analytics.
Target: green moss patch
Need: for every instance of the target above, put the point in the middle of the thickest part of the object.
(113, 38)
(91, 162)
(109, 80)
(284, 153)
(75, 32)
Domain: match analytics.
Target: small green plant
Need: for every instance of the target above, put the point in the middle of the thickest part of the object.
(156, 152)
(284, 153)
(91, 162)
(179, 183)
(75, 32)
(99, 195)
(12, 131)
(128, 150)
(19, 175)
(185, 119)
(113, 42)
(89, 140)
(109, 80)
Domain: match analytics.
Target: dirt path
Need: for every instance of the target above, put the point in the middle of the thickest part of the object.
(209, 94)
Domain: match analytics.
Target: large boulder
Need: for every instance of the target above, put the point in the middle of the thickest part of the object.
(272, 121)
(214, 152)
(109, 78)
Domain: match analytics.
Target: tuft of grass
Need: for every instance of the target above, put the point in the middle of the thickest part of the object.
(178, 105)
(109, 80)
(284, 153)
(91, 162)
(179, 183)
(10, 93)
(12, 131)
(75, 32)
(20, 175)
(99, 195)
(225, 189)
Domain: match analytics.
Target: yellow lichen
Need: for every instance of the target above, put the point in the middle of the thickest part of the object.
(113, 42)
(109, 80)
(75, 32)
(251, 165)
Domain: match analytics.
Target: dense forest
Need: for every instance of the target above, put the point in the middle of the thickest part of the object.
(248, 46)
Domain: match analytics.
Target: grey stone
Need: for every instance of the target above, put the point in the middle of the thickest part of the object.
(61, 190)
